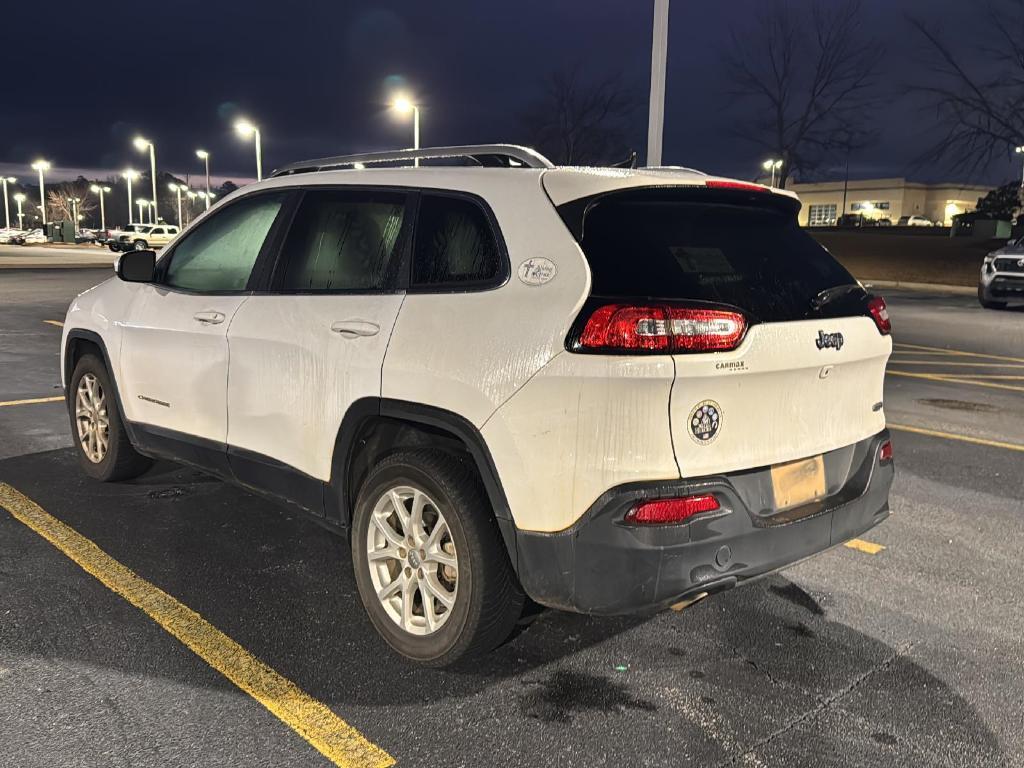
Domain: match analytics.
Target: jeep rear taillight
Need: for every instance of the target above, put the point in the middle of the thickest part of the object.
(632, 328)
(671, 511)
(880, 314)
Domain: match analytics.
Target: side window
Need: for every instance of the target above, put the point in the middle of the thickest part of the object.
(156, 231)
(455, 245)
(219, 255)
(343, 241)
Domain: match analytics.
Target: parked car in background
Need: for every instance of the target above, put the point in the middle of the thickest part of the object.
(852, 220)
(34, 237)
(11, 236)
(143, 236)
(915, 221)
(1002, 276)
(884, 222)
(85, 236)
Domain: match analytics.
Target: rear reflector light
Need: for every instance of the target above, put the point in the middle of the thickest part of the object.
(885, 452)
(656, 328)
(743, 185)
(880, 314)
(667, 511)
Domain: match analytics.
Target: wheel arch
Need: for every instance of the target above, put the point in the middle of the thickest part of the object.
(374, 427)
(79, 342)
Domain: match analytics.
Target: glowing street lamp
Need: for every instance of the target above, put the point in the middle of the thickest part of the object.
(246, 129)
(19, 198)
(203, 155)
(403, 105)
(142, 145)
(5, 180)
(129, 175)
(41, 166)
(142, 203)
(773, 166)
(206, 199)
(177, 189)
(152, 212)
(103, 213)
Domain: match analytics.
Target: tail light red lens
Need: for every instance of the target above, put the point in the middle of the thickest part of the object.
(657, 328)
(885, 452)
(668, 511)
(880, 314)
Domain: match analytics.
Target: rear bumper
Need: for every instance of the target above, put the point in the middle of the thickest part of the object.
(603, 566)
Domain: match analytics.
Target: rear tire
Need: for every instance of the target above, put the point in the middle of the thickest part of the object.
(97, 428)
(449, 550)
(140, 245)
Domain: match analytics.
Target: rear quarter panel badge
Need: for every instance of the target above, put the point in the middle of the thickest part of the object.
(705, 422)
(537, 271)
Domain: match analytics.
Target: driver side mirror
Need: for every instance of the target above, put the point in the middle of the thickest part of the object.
(136, 266)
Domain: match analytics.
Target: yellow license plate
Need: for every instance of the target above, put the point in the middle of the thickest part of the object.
(798, 482)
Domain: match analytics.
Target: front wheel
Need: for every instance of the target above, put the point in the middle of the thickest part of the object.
(101, 442)
(987, 304)
(140, 245)
(430, 564)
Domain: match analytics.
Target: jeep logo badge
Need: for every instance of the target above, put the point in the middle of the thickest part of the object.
(829, 340)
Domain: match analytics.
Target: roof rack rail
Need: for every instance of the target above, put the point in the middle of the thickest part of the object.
(494, 155)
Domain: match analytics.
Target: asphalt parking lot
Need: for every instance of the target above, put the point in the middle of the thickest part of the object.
(905, 649)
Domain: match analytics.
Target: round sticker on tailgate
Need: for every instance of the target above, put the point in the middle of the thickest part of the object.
(537, 271)
(705, 421)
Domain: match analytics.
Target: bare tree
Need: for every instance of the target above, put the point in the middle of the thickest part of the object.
(579, 121)
(804, 78)
(60, 203)
(980, 107)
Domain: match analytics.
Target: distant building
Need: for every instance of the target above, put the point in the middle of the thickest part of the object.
(885, 199)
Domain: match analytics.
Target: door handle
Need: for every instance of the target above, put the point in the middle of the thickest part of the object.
(353, 329)
(209, 318)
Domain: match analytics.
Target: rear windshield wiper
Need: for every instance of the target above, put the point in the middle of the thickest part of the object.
(831, 294)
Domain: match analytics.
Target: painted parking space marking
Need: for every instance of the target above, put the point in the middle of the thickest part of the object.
(953, 436)
(955, 379)
(957, 366)
(58, 323)
(898, 349)
(335, 739)
(866, 547)
(32, 401)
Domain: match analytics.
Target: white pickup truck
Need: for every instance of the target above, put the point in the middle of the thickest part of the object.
(139, 237)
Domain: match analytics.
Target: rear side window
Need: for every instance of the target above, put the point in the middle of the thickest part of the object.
(344, 241)
(220, 253)
(455, 245)
(720, 248)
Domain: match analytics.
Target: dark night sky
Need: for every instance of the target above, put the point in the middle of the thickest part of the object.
(316, 77)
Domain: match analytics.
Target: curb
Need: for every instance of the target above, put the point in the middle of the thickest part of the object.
(960, 290)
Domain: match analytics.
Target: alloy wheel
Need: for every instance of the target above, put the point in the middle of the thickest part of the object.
(413, 564)
(91, 418)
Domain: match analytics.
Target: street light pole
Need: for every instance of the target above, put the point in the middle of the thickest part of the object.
(1020, 151)
(403, 104)
(141, 202)
(245, 128)
(7, 211)
(41, 165)
(128, 175)
(178, 189)
(141, 144)
(203, 155)
(19, 198)
(103, 214)
(659, 63)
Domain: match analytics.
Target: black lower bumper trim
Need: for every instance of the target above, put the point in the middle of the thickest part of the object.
(604, 566)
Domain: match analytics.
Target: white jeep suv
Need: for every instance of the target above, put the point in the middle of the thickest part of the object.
(606, 390)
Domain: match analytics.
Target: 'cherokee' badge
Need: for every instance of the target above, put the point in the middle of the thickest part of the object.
(705, 421)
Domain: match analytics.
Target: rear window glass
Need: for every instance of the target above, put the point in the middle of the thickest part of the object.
(665, 244)
(455, 245)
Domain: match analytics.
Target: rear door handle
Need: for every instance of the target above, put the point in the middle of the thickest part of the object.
(209, 318)
(353, 329)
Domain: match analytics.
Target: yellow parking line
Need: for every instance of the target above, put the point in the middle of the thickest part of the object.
(316, 723)
(950, 379)
(32, 401)
(864, 546)
(959, 352)
(961, 438)
(58, 323)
